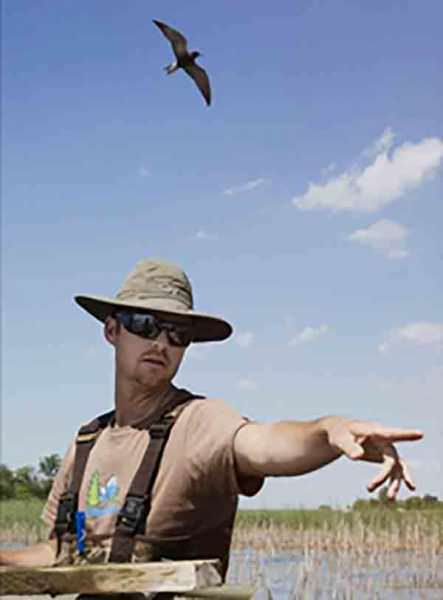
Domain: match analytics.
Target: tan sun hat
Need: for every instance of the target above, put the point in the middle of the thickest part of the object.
(163, 288)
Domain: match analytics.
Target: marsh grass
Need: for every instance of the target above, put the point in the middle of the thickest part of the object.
(20, 521)
(328, 530)
(383, 529)
(306, 554)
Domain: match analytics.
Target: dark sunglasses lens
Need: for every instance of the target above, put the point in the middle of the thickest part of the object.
(144, 325)
(149, 327)
(180, 336)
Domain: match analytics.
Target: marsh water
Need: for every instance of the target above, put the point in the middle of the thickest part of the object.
(319, 575)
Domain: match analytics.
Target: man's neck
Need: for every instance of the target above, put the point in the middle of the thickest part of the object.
(135, 406)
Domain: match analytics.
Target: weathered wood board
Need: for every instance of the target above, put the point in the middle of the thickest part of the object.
(223, 592)
(168, 576)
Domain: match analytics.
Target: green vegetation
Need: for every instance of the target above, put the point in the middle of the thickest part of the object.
(28, 482)
(20, 512)
(20, 521)
(378, 513)
(425, 502)
(23, 492)
(375, 518)
(416, 522)
(376, 525)
(369, 513)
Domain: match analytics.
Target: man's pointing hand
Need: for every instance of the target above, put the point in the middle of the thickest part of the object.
(372, 442)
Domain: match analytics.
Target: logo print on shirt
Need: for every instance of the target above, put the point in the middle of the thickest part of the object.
(102, 500)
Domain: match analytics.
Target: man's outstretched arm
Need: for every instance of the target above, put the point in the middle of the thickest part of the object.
(297, 447)
(38, 555)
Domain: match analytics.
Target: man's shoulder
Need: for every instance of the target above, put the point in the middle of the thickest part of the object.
(209, 404)
(211, 413)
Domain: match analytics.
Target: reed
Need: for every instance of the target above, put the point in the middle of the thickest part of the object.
(363, 532)
(20, 521)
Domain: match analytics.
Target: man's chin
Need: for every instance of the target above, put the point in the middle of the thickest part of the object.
(152, 379)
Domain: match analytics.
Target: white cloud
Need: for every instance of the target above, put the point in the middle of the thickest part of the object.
(385, 236)
(421, 333)
(247, 384)
(308, 334)
(391, 174)
(245, 187)
(144, 172)
(245, 339)
(201, 234)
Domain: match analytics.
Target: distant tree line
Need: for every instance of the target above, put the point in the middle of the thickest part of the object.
(427, 501)
(29, 482)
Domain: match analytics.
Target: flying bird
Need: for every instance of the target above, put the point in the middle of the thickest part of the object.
(185, 60)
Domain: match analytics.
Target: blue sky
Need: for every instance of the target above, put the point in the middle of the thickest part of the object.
(305, 204)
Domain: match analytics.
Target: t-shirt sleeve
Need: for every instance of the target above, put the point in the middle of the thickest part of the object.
(210, 432)
(60, 485)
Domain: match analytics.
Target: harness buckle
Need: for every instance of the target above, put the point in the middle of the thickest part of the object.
(64, 520)
(132, 513)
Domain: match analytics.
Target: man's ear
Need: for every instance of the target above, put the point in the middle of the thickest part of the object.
(110, 330)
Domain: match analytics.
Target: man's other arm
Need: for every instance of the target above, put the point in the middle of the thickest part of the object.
(298, 447)
(38, 555)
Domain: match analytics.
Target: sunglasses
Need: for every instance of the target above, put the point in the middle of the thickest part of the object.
(147, 326)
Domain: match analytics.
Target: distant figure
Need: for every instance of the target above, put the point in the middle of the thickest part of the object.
(185, 60)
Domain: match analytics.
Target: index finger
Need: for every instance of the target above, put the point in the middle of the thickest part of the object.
(396, 434)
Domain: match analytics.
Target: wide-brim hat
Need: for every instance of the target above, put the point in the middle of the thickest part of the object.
(163, 289)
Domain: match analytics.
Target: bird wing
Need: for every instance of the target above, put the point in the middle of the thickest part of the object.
(201, 78)
(178, 41)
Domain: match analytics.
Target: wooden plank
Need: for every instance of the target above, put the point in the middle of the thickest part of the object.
(165, 576)
(221, 592)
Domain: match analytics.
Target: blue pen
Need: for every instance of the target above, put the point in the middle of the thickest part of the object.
(80, 530)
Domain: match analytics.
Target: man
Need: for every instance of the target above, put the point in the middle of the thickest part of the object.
(212, 455)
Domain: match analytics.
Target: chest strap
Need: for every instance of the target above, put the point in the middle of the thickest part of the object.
(68, 503)
(133, 514)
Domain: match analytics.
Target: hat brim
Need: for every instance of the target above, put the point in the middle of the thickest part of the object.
(207, 328)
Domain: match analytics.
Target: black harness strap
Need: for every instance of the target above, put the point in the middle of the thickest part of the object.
(132, 516)
(68, 503)
(134, 512)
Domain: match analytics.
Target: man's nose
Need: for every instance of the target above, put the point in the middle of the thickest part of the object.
(162, 339)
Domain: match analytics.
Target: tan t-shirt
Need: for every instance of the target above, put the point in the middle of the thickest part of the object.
(194, 498)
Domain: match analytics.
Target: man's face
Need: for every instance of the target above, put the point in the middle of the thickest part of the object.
(151, 364)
